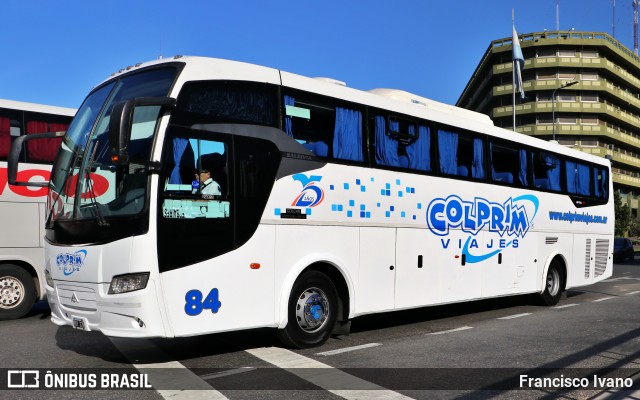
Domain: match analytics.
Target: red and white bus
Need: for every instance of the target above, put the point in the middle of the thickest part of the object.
(22, 209)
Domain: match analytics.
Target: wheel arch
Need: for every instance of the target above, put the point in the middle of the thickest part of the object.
(561, 258)
(338, 275)
(38, 280)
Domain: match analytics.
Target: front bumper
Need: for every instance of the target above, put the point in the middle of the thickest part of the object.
(134, 314)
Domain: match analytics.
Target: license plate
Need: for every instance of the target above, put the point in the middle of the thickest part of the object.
(80, 323)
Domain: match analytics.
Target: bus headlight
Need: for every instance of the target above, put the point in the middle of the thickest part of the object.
(128, 283)
(47, 278)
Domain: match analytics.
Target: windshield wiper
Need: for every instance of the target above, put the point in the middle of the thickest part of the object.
(92, 194)
(77, 156)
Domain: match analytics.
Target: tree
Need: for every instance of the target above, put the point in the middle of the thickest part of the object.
(622, 214)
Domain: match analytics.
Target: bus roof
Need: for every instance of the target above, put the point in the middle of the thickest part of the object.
(38, 108)
(200, 68)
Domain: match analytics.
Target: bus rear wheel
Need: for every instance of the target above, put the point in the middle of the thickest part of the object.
(554, 285)
(17, 292)
(312, 311)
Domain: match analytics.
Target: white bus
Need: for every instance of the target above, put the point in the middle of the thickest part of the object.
(330, 203)
(22, 209)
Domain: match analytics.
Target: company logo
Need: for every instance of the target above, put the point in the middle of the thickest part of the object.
(510, 221)
(311, 195)
(70, 263)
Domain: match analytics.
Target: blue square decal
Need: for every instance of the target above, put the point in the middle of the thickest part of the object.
(352, 203)
(357, 181)
(346, 186)
(349, 214)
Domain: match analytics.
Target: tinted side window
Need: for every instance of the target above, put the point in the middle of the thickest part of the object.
(460, 154)
(402, 143)
(546, 171)
(226, 102)
(325, 128)
(578, 178)
(509, 164)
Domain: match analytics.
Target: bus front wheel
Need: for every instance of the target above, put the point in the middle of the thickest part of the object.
(554, 285)
(312, 311)
(17, 292)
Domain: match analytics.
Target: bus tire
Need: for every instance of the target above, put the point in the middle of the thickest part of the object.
(554, 284)
(312, 311)
(17, 292)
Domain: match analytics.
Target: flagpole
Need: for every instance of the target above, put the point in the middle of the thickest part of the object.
(513, 77)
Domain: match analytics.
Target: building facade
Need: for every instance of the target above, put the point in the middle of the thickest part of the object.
(600, 114)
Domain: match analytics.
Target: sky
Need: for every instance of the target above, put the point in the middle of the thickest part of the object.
(57, 51)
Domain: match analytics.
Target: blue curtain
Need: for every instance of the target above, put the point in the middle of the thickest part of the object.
(600, 182)
(347, 136)
(179, 146)
(570, 168)
(386, 147)
(477, 168)
(583, 180)
(553, 172)
(448, 149)
(523, 168)
(288, 120)
(419, 152)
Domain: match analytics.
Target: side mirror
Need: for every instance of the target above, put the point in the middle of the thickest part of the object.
(14, 157)
(120, 123)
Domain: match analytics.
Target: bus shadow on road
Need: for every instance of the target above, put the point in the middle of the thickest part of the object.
(439, 312)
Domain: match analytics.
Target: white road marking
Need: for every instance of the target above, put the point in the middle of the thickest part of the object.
(348, 349)
(324, 376)
(165, 374)
(515, 316)
(464, 328)
(632, 293)
(603, 299)
(564, 306)
(228, 373)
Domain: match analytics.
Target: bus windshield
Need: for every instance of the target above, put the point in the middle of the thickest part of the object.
(85, 184)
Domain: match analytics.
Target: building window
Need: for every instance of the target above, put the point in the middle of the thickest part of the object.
(564, 52)
(546, 75)
(588, 119)
(589, 142)
(544, 119)
(566, 96)
(567, 74)
(589, 97)
(568, 141)
(567, 119)
(546, 52)
(544, 96)
(590, 53)
(589, 75)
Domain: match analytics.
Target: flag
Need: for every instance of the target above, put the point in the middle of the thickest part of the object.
(518, 63)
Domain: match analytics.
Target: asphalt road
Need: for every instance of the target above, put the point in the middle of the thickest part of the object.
(470, 350)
